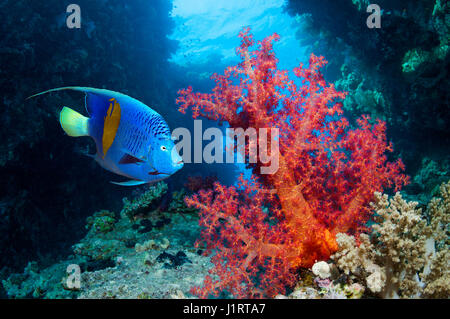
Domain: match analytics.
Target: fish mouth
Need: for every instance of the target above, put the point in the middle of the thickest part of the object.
(179, 165)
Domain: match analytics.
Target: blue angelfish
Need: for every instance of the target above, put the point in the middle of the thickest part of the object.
(132, 140)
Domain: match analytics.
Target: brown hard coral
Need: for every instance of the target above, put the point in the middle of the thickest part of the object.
(406, 256)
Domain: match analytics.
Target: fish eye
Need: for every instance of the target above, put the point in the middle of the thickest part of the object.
(163, 148)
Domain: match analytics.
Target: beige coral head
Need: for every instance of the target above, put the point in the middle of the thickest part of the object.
(321, 269)
(375, 282)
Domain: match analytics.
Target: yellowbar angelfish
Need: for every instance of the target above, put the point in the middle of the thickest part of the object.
(132, 140)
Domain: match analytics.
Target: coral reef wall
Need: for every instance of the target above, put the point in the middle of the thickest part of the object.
(121, 46)
(398, 72)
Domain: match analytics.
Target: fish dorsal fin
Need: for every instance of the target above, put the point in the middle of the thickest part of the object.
(129, 183)
(129, 159)
(100, 92)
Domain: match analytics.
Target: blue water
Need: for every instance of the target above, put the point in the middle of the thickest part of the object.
(205, 28)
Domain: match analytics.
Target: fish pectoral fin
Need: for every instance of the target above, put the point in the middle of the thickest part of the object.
(130, 183)
(129, 159)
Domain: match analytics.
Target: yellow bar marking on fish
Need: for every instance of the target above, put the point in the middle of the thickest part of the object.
(111, 124)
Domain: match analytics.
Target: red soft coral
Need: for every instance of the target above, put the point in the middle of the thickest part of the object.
(264, 230)
(243, 238)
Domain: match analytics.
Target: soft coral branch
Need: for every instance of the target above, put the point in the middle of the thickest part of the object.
(244, 239)
(269, 226)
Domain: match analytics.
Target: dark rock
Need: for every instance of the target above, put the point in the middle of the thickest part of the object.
(146, 226)
(95, 265)
(174, 260)
(162, 222)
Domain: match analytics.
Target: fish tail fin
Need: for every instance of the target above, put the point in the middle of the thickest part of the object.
(73, 123)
